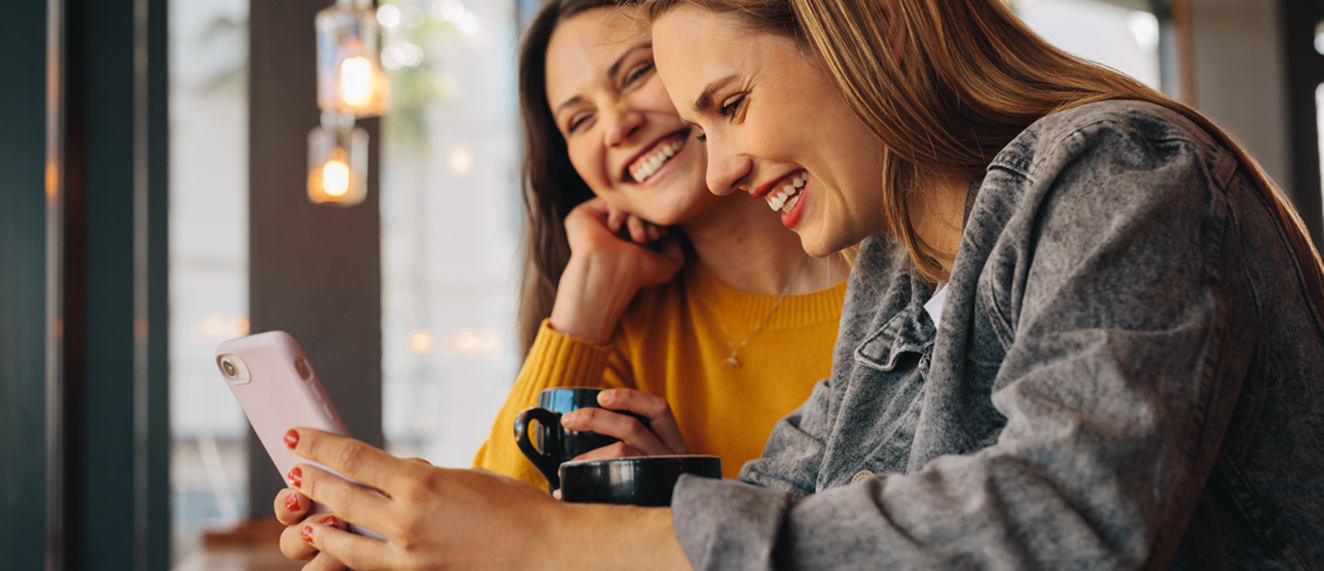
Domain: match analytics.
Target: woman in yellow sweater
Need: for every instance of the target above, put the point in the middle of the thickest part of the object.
(725, 325)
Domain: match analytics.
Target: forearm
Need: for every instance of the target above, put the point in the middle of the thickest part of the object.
(595, 536)
(591, 298)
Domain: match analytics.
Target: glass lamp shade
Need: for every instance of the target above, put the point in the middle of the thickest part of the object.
(350, 78)
(337, 164)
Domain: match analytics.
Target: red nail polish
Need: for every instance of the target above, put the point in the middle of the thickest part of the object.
(292, 503)
(307, 533)
(330, 520)
(291, 438)
(296, 477)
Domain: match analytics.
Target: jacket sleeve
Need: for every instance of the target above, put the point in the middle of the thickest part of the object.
(555, 360)
(1117, 385)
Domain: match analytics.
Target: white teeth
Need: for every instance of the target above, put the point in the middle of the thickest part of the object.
(789, 194)
(791, 203)
(646, 166)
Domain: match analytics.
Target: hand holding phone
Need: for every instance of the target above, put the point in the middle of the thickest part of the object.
(276, 386)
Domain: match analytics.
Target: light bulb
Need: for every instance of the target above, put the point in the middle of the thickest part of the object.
(337, 162)
(335, 178)
(356, 80)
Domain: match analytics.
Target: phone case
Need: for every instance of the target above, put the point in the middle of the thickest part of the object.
(281, 392)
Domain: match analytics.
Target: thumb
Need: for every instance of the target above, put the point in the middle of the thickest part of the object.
(671, 250)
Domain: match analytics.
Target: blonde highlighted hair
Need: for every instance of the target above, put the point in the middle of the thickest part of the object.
(964, 79)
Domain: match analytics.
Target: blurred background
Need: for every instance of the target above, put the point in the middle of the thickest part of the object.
(170, 138)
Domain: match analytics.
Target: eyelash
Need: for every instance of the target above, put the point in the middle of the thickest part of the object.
(638, 73)
(727, 110)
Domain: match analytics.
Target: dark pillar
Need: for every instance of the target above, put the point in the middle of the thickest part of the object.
(23, 462)
(1305, 72)
(314, 271)
(115, 367)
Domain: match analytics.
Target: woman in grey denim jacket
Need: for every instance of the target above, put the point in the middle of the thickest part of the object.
(1125, 373)
(1128, 369)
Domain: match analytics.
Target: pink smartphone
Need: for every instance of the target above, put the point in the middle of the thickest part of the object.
(278, 390)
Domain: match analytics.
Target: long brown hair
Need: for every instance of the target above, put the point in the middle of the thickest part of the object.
(552, 188)
(970, 76)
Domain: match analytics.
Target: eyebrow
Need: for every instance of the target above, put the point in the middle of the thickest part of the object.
(615, 67)
(569, 103)
(705, 99)
(611, 72)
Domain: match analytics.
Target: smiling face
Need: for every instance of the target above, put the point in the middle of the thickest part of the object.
(774, 124)
(622, 132)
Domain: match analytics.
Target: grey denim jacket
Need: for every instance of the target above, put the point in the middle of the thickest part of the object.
(1129, 374)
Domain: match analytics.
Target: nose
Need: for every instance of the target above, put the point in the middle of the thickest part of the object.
(728, 171)
(622, 122)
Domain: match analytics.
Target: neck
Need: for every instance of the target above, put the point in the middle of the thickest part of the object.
(746, 247)
(939, 214)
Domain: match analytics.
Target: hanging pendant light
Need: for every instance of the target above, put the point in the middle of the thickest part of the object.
(337, 161)
(350, 78)
(350, 84)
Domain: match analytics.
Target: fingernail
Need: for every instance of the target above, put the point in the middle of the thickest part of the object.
(291, 438)
(292, 502)
(307, 533)
(296, 477)
(330, 520)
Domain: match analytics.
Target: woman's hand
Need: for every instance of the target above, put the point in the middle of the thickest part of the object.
(605, 270)
(639, 230)
(661, 437)
(431, 517)
(437, 518)
(291, 508)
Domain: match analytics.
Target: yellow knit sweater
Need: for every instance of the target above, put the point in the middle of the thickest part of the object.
(669, 343)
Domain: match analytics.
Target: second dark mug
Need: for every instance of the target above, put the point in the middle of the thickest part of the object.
(639, 481)
(549, 445)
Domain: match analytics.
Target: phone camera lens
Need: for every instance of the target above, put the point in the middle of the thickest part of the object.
(229, 368)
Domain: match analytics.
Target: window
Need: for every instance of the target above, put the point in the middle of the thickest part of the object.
(450, 224)
(1121, 38)
(208, 262)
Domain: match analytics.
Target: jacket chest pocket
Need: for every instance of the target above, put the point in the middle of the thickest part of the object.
(881, 406)
(906, 340)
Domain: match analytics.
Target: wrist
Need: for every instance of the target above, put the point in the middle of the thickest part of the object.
(590, 299)
(597, 536)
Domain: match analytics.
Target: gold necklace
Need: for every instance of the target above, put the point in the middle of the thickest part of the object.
(733, 362)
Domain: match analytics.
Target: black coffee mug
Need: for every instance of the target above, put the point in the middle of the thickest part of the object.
(549, 445)
(638, 481)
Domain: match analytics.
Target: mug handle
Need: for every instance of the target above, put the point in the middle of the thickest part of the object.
(548, 461)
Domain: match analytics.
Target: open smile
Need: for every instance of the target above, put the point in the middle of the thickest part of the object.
(651, 160)
(783, 194)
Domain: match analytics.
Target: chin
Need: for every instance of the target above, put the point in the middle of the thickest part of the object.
(815, 248)
(820, 246)
(668, 216)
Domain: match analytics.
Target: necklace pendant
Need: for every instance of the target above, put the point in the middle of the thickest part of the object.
(732, 362)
